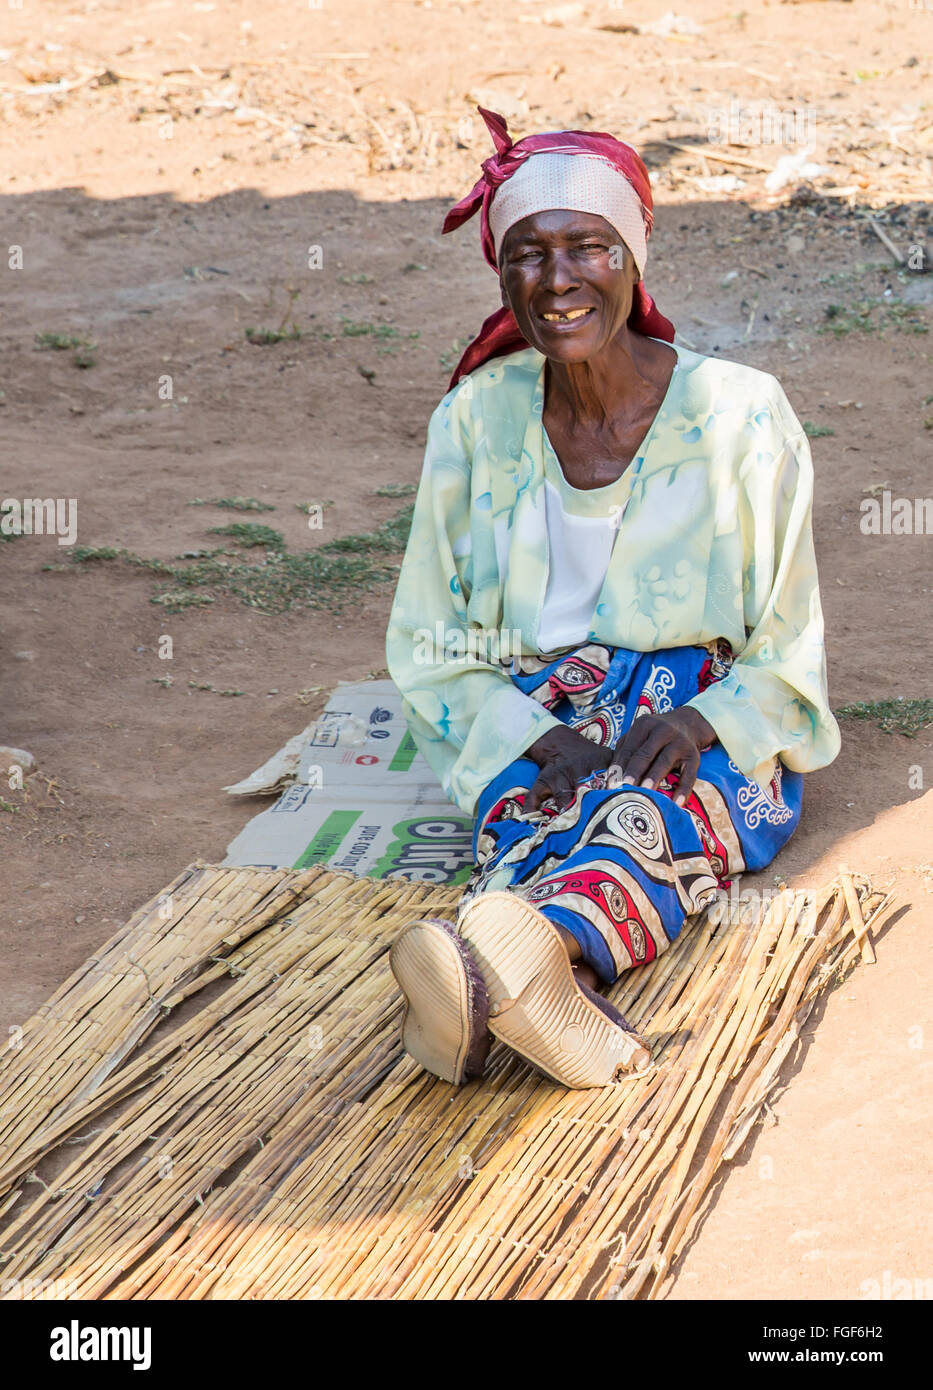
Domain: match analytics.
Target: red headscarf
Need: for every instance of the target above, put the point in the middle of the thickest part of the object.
(500, 333)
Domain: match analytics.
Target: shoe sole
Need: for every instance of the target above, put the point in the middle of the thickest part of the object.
(535, 1004)
(444, 1026)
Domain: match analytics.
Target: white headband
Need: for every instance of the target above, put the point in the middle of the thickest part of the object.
(578, 182)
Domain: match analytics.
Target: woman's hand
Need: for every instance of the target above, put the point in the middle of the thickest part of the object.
(656, 744)
(565, 758)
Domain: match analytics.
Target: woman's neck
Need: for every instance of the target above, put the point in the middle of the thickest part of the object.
(615, 384)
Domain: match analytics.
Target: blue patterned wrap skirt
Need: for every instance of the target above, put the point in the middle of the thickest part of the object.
(622, 868)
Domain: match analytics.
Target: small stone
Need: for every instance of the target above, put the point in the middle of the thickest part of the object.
(18, 757)
(24, 656)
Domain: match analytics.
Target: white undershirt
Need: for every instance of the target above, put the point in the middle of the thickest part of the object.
(579, 550)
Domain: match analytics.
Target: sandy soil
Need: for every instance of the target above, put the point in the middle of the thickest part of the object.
(166, 169)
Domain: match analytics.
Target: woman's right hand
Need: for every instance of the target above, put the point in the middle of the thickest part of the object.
(565, 758)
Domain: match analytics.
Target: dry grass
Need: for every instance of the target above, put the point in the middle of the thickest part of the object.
(277, 1143)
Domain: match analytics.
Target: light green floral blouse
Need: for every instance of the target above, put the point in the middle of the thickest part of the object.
(714, 519)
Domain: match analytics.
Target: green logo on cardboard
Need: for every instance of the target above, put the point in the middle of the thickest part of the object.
(429, 850)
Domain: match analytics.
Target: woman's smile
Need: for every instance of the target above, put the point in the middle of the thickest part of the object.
(565, 320)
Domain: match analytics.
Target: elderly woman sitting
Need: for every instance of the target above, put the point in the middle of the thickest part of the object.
(640, 516)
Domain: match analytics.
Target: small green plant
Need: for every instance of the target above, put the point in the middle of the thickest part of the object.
(872, 316)
(851, 277)
(905, 317)
(392, 535)
(898, 716)
(82, 349)
(83, 553)
(390, 338)
(397, 490)
(57, 342)
(87, 554)
(176, 599)
(250, 533)
(816, 431)
(262, 337)
(206, 685)
(363, 329)
(235, 504)
(361, 279)
(451, 357)
(325, 577)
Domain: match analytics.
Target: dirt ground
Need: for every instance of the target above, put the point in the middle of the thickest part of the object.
(167, 168)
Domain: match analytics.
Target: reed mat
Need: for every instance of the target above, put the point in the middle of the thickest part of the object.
(217, 1105)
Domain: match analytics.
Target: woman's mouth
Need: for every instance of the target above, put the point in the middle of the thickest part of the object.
(565, 319)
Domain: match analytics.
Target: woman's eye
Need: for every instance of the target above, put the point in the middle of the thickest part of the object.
(584, 246)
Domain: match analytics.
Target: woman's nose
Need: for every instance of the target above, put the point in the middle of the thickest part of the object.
(557, 272)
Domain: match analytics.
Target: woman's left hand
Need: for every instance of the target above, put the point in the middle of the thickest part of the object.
(657, 744)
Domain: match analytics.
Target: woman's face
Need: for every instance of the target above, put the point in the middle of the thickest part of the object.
(555, 263)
